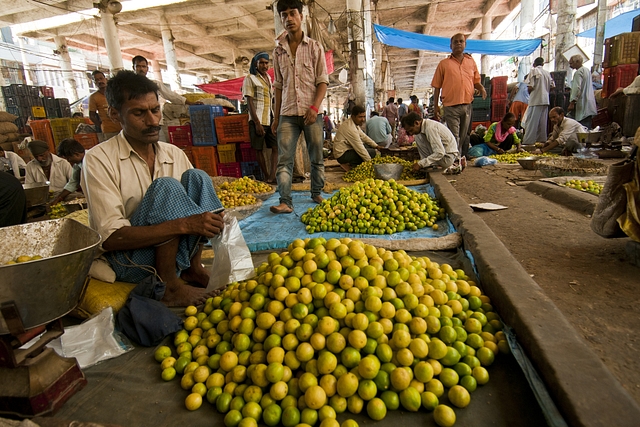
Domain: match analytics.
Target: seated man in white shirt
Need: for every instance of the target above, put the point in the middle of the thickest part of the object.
(436, 144)
(11, 161)
(150, 206)
(348, 145)
(564, 135)
(47, 167)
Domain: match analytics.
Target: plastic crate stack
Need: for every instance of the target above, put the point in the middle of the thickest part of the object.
(233, 133)
(481, 108)
(498, 98)
(621, 59)
(202, 148)
(21, 101)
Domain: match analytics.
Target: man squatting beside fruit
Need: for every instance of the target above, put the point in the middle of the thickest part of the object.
(436, 144)
(150, 206)
(348, 146)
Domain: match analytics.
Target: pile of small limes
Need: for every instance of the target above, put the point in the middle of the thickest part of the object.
(23, 258)
(365, 170)
(588, 186)
(58, 211)
(246, 185)
(231, 199)
(513, 157)
(374, 206)
(333, 326)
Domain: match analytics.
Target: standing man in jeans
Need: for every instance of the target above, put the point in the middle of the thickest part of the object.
(256, 89)
(300, 86)
(456, 77)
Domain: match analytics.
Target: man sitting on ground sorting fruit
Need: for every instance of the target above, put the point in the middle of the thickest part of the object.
(436, 144)
(348, 146)
(150, 206)
(564, 136)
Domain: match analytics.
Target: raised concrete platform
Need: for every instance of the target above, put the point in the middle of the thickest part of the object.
(584, 390)
(584, 203)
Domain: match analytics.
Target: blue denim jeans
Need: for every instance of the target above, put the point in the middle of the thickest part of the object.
(289, 129)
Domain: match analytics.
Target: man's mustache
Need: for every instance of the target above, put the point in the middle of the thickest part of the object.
(152, 129)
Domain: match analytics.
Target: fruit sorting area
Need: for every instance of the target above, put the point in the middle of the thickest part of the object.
(580, 385)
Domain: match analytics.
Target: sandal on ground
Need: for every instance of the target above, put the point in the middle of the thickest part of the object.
(281, 209)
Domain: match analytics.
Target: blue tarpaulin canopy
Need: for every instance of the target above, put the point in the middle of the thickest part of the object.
(614, 26)
(408, 40)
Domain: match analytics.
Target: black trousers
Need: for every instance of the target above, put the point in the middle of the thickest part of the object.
(13, 201)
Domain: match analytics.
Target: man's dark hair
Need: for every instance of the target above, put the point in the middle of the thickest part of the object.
(127, 85)
(77, 114)
(289, 4)
(138, 58)
(557, 110)
(508, 116)
(374, 113)
(538, 61)
(357, 109)
(399, 100)
(68, 147)
(96, 72)
(391, 99)
(410, 119)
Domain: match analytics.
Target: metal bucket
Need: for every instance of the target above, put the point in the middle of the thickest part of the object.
(387, 171)
(49, 288)
(36, 193)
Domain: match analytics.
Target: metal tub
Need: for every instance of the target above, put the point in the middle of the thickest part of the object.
(45, 289)
(36, 193)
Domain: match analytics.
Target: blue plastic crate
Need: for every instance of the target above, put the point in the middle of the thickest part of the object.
(251, 169)
(203, 129)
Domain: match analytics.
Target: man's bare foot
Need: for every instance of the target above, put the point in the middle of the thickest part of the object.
(179, 294)
(196, 275)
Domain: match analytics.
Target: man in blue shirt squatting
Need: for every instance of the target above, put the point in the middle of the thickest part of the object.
(152, 209)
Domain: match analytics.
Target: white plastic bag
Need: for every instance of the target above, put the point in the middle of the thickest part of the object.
(231, 257)
(92, 341)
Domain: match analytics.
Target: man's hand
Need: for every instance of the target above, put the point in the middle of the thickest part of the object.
(483, 92)
(205, 224)
(572, 106)
(259, 129)
(436, 113)
(310, 117)
(56, 201)
(274, 125)
(537, 151)
(416, 167)
(500, 151)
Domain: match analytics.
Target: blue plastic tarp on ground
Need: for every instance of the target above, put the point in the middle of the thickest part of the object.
(614, 26)
(266, 231)
(409, 40)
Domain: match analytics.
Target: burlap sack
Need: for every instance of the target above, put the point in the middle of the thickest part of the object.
(7, 117)
(3, 138)
(6, 146)
(13, 136)
(8, 127)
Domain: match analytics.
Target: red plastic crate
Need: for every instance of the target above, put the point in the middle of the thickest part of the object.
(498, 109)
(189, 152)
(608, 45)
(499, 87)
(180, 135)
(606, 75)
(602, 118)
(619, 76)
(230, 169)
(46, 91)
(233, 128)
(247, 153)
(41, 130)
(227, 153)
(87, 140)
(205, 158)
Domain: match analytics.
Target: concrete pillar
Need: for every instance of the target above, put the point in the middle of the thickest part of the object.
(170, 54)
(486, 35)
(526, 19)
(565, 37)
(597, 51)
(357, 56)
(157, 72)
(111, 41)
(25, 62)
(67, 70)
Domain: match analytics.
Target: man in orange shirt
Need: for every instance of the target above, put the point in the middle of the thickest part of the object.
(99, 108)
(456, 77)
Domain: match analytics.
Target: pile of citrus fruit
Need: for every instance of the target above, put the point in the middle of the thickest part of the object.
(513, 157)
(333, 326)
(246, 185)
(588, 186)
(365, 170)
(374, 206)
(231, 199)
(23, 258)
